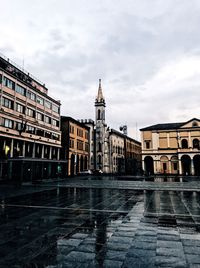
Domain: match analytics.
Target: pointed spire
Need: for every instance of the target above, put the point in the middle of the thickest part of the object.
(100, 97)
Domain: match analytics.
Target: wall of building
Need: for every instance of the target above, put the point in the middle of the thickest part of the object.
(75, 145)
(29, 121)
(173, 151)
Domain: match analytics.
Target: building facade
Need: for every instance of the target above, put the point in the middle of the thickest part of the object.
(110, 150)
(92, 142)
(133, 156)
(101, 133)
(117, 152)
(75, 145)
(30, 137)
(172, 148)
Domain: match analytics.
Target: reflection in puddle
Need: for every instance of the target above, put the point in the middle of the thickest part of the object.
(65, 226)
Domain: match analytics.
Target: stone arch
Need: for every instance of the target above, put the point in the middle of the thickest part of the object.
(174, 164)
(164, 161)
(186, 164)
(196, 162)
(148, 165)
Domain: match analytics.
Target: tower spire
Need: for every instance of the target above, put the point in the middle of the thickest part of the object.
(100, 97)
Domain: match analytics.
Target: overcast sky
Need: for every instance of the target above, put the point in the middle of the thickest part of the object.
(147, 53)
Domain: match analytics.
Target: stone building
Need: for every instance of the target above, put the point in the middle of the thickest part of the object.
(172, 148)
(101, 133)
(30, 137)
(111, 151)
(75, 145)
(117, 151)
(133, 156)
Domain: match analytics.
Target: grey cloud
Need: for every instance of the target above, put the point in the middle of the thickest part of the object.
(125, 44)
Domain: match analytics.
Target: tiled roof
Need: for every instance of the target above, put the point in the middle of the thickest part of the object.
(163, 126)
(167, 126)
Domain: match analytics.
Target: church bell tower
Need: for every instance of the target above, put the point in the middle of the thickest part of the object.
(100, 129)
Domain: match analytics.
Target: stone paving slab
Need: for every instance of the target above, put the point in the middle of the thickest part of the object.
(43, 233)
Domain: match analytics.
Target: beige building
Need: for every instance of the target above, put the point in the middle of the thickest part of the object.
(75, 145)
(172, 148)
(117, 152)
(30, 137)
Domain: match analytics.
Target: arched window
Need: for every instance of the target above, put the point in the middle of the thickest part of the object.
(196, 143)
(195, 124)
(99, 114)
(184, 144)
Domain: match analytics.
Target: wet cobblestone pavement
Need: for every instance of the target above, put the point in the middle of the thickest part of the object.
(53, 225)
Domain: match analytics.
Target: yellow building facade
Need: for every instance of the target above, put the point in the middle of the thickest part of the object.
(172, 148)
(75, 145)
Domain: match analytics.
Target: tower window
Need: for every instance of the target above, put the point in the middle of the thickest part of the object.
(99, 115)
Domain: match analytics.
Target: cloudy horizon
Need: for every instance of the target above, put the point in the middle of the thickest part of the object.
(147, 54)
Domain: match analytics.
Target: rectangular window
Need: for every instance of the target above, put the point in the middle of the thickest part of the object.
(56, 123)
(86, 135)
(19, 89)
(79, 145)
(30, 129)
(47, 104)
(40, 132)
(175, 166)
(79, 132)
(30, 112)
(55, 108)
(71, 129)
(7, 123)
(71, 144)
(7, 103)
(147, 145)
(48, 134)
(20, 108)
(19, 126)
(47, 119)
(8, 83)
(40, 116)
(40, 100)
(31, 95)
(55, 136)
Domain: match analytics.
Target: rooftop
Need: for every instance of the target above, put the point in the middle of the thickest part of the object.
(166, 126)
